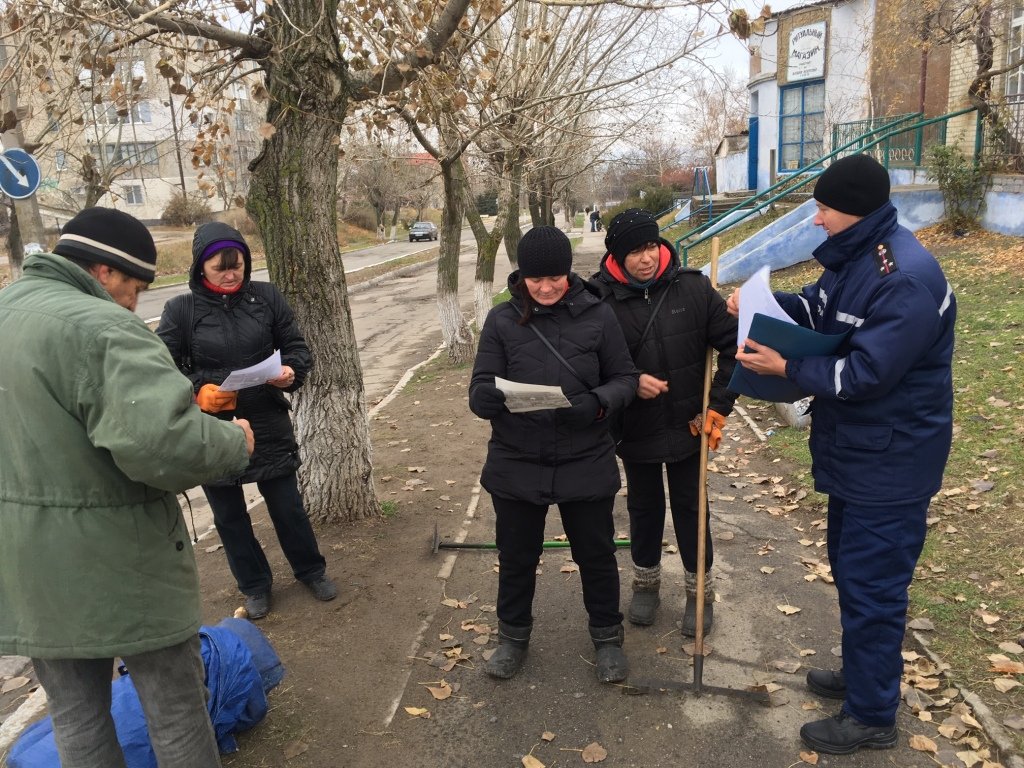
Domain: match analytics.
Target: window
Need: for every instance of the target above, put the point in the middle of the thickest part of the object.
(60, 159)
(1015, 55)
(140, 112)
(801, 124)
(132, 194)
(141, 156)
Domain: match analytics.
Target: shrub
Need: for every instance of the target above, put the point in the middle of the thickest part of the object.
(184, 210)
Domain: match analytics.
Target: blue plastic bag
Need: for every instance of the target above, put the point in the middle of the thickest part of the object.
(241, 668)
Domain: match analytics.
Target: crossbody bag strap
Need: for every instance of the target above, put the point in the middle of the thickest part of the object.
(188, 312)
(558, 355)
(650, 322)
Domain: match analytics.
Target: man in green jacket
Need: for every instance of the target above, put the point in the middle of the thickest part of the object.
(98, 432)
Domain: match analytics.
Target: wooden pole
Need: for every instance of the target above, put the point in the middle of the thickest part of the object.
(702, 499)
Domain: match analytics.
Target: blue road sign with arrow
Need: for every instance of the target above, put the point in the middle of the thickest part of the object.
(19, 173)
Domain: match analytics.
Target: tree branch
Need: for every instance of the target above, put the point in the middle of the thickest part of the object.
(396, 75)
(250, 46)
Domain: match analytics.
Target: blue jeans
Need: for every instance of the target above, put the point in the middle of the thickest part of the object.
(245, 555)
(170, 685)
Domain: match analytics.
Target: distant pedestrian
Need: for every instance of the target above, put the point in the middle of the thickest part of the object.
(98, 435)
(226, 322)
(881, 428)
(670, 316)
(554, 331)
(595, 220)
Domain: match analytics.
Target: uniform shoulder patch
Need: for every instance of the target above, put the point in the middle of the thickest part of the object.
(884, 259)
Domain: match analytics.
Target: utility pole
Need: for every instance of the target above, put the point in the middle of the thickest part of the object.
(29, 223)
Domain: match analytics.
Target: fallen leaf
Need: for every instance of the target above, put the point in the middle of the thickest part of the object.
(1013, 648)
(418, 712)
(924, 625)
(532, 762)
(14, 684)
(440, 692)
(294, 749)
(811, 758)
(1015, 721)
(690, 649)
(786, 666)
(923, 744)
(1005, 684)
(988, 618)
(416, 469)
(808, 652)
(726, 536)
(594, 753)
(1008, 667)
(214, 548)
(767, 569)
(547, 736)
(789, 610)
(569, 568)
(241, 613)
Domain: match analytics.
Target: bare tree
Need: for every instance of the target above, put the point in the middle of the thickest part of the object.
(310, 78)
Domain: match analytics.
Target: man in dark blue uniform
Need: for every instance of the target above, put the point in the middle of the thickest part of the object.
(881, 427)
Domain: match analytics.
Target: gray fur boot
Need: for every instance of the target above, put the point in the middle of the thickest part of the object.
(611, 663)
(644, 605)
(689, 623)
(508, 658)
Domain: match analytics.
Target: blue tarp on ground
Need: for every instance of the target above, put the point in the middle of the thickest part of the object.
(241, 668)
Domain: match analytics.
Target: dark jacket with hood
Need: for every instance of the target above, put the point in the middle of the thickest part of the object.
(536, 457)
(228, 332)
(882, 416)
(688, 317)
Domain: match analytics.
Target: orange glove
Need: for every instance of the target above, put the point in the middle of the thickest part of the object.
(211, 400)
(712, 427)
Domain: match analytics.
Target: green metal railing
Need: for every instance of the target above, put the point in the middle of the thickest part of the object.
(905, 150)
(791, 182)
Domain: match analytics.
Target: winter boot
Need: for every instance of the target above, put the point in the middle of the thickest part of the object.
(689, 623)
(611, 663)
(508, 658)
(644, 605)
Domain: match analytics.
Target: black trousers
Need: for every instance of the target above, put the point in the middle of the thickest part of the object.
(646, 504)
(519, 533)
(245, 556)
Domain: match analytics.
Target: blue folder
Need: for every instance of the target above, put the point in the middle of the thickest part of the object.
(792, 342)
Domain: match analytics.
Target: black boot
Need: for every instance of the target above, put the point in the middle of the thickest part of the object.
(611, 663)
(646, 584)
(825, 682)
(688, 625)
(508, 658)
(843, 734)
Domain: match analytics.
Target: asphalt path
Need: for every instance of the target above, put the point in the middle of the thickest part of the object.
(151, 302)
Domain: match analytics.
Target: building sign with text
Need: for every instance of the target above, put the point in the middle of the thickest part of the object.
(806, 58)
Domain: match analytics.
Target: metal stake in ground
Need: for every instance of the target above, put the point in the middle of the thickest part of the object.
(698, 687)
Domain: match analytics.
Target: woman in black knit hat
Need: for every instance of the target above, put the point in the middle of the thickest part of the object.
(553, 331)
(670, 316)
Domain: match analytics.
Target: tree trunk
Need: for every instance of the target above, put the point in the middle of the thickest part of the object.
(458, 338)
(293, 199)
(513, 234)
(487, 244)
(15, 248)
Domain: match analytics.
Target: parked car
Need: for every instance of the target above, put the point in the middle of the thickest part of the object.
(422, 230)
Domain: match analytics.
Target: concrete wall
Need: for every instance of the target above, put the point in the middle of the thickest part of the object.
(731, 172)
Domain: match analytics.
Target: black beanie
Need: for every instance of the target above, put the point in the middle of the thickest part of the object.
(111, 237)
(544, 252)
(856, 185)
(630, 230)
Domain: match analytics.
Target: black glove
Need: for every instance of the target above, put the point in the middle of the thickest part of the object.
(584, 411)
(487, 401)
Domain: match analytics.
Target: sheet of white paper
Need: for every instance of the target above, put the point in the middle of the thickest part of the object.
(254, 375)
(756, 297)
(520, 397)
